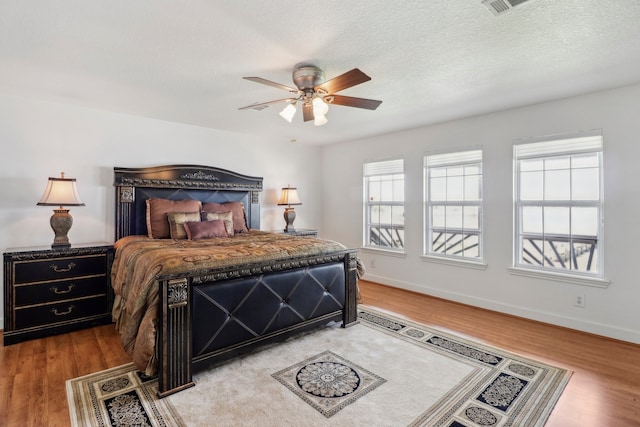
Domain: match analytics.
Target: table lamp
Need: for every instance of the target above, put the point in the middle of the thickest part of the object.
(288, 197)
(61, 192)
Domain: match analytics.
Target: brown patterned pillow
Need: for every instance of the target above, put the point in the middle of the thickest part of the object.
(237, 208)
(157, 210)
(205, 229)
(227, 217)
(176, 223)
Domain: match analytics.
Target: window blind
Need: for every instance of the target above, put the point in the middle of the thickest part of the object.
(558, 146)
(456, 158)
(387, 167)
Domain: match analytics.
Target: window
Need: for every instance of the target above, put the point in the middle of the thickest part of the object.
(384, 205)
(453, 210)
(558, 205)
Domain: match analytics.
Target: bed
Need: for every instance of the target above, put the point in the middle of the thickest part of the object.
(216, 309)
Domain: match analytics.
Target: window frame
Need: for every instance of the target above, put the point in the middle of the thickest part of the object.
(568, 146)
(453, 159)
(383, 168)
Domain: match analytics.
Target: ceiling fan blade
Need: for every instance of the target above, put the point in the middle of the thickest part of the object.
(307, 111)
(274, 84)
(262, 105)
(344, 81)
(350, 101)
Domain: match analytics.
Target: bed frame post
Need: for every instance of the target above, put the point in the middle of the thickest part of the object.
(174, 330)
(125, 195)
(254, 221)
(350, 316)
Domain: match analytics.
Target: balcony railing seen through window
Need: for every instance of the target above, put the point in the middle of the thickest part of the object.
(578, 253)
(387, 236)
(461, 243)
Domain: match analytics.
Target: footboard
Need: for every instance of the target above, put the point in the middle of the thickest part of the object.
(211, 316)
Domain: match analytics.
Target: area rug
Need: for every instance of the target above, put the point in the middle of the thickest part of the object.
(384, 371)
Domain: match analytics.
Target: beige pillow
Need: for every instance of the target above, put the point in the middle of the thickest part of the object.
(227, 217)
(177, 220)
(236, 208)
(157, 210)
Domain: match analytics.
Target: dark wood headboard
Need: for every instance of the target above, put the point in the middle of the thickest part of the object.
(177, 182)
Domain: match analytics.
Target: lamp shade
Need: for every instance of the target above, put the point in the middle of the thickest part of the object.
(289, 196)
(61, 192)
(288, 112)
(320, 120)
(320, 108)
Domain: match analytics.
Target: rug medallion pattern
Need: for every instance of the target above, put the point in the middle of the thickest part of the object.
(503, 389)
(328, 382)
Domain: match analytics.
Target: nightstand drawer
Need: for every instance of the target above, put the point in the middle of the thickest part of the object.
(57, 291)
(48, 314)
(59, 268)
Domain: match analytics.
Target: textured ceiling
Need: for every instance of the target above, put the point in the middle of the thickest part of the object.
(429, 61)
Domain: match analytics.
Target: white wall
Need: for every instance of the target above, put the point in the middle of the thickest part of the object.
(611, 311)
(39, 140)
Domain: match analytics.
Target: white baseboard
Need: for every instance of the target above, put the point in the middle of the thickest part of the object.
(541, 316)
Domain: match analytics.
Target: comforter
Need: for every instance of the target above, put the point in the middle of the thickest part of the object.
(139, 260)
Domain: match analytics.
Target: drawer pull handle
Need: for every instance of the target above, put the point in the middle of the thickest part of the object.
(55, 289)
(64, 313)
(62, 270)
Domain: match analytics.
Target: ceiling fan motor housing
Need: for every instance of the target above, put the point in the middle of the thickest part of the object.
(307, 77)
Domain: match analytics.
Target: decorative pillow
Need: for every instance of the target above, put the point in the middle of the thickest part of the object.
(157, 210)
(237, 208)
(205, 229)
(227, 217)
(176, 223)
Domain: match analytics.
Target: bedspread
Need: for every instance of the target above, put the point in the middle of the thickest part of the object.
(139, 260)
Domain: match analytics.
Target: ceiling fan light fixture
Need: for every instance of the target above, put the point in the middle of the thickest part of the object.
(288, 112)
(320, 108)
(319, 120)
(315, 94)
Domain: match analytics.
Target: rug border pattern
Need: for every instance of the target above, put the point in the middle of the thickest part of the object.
(83, 392)
(547, 385)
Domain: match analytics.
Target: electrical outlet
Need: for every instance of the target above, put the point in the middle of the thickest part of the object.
(579, 301)
(372, 263)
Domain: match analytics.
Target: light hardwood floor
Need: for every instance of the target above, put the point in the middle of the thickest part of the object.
(603, 392)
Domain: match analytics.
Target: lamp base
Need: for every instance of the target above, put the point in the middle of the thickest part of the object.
(61, 222)
(289, 217)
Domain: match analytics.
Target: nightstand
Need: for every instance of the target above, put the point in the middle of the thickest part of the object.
(50, 291)
(305, 232)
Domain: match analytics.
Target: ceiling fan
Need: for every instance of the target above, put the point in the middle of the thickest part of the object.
(315, 95)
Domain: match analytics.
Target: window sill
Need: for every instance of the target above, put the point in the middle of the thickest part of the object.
(559, 277)
(477, 265)
(398, 254)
